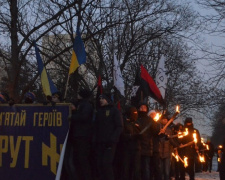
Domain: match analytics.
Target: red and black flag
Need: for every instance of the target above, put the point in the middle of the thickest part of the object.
(145, 86)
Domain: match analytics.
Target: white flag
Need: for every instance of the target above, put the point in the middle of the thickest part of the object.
(134, 91)
(117, 77)
(161, 78)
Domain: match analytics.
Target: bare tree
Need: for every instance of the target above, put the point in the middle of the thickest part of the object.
(137, 31)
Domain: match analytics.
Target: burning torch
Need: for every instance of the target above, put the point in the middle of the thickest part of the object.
(170, 121)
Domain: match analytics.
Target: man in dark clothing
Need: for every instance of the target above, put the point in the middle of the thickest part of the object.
(149, 145)
(166, 146)
(108, 127)
(178, 164)
(210, 154)
(191, 150)
(81, 133)
(131, 145)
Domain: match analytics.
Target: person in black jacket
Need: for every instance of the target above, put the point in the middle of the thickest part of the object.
(190, 151)
(81, 132)
(108, 127)
(131, 145)
(149, 144)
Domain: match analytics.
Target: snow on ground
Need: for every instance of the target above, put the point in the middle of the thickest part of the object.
(206, 176)
(214, 175)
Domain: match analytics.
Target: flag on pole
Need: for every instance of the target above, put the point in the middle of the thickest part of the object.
(161, 78)
(99, 87)
(99, 91)
(78, 53)
(117, 77)
(47, 84)
(150, 87)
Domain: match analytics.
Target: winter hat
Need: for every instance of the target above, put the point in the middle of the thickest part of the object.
(143, 104)
(30, 95)
(188, 120)
(85, 93)
(132, 113)
(107, 97)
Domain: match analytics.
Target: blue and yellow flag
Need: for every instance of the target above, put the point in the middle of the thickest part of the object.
(46, 82)
(78, 53)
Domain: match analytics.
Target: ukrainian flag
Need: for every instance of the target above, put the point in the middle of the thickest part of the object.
(46, 82)
(78, 53)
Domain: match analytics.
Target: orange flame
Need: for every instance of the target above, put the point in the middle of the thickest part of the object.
(182, 134)
(185, 161)
(157, 116)
(195, 137)
(202, 158)
(219, 159)
(177, 109)
(176, 157)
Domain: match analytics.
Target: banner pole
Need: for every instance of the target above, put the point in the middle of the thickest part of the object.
(67, 83)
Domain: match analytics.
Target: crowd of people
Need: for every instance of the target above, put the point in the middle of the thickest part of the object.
(106, 143)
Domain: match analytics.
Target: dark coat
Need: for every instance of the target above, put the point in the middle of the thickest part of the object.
(190, 151)
(108, 125)
(82, 120)
(166, 144)
(149, 141)
(130, 136)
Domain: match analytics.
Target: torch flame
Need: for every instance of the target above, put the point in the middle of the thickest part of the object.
(186, 132)
(185, 162)
(206, 145)
(220, 146)
(157, 116)
(201, 158)
(182, 134)
(176, 157)
(177, 109)
(218, 159)
(195, 137)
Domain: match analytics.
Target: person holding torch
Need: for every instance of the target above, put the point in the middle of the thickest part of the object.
(190, 150)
